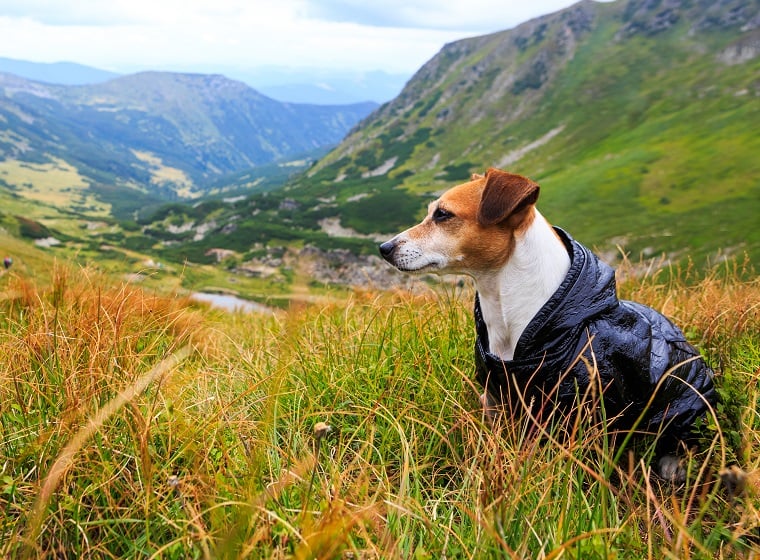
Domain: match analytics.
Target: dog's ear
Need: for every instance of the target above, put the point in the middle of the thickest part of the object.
(505, 194)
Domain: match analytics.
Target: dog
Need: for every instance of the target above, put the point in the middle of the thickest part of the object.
(549, 324)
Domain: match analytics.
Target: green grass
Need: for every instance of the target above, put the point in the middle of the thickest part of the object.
(108, 450)
(55, 183)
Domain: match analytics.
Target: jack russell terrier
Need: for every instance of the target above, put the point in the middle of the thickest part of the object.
(549, 325)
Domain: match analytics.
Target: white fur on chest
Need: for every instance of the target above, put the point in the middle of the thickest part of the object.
(511, 297)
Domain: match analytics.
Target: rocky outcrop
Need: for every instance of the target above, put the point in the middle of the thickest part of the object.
(341, 267)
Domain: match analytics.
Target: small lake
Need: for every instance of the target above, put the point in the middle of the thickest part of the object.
(230, 302)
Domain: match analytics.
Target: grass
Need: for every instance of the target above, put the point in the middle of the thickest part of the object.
(138, 425)
(161, 173)
(57, 184)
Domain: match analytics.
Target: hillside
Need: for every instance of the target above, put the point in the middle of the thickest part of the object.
(162, 135)
(639, 119)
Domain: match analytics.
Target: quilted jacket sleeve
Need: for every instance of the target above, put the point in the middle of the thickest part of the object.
(655, 370)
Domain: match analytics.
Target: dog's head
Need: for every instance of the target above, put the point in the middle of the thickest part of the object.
(470, 229)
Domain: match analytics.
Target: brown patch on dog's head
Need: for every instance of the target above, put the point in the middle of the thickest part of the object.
(505, 195)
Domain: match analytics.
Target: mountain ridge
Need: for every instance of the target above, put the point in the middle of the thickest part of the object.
(302, 85)
(637, 111)
(642, 136)
(166, 134)
(64, 72)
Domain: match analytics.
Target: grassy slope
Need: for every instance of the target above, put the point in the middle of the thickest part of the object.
(56, 184)
(120, 253)
(669, 160)
(219, 457)
(657, 150)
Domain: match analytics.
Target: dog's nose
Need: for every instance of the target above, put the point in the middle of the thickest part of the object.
(387, 248)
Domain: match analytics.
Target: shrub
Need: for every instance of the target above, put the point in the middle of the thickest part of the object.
(31, 229)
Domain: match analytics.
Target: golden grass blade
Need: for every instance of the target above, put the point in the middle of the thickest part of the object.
(66, 457)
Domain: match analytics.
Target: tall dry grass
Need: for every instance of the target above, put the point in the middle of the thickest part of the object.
(69, 348)
(345, 430)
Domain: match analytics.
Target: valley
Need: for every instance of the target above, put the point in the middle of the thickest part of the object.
(641, 133)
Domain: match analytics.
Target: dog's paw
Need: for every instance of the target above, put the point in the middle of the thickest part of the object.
(739, 482)
(490, 408)
(669, 468)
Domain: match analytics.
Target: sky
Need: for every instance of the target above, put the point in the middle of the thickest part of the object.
(124, 36)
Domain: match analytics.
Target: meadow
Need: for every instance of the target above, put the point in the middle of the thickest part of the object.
(55, 183)
(137, 424)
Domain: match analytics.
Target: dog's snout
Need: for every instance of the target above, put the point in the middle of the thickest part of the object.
(387, 248)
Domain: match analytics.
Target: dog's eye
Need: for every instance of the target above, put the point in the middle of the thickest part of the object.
(441, 215)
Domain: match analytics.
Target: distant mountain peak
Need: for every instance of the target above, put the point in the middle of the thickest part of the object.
(63, 73)
(163, 132)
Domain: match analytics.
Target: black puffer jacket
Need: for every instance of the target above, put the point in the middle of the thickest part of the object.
(643, 360)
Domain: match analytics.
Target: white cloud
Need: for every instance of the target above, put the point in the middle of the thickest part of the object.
(58, 13)
(127, 35)
(473, 15)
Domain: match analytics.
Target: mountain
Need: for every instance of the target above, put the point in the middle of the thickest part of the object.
(162, 134)
(68, 73)
(638, 118)
(310, 86)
